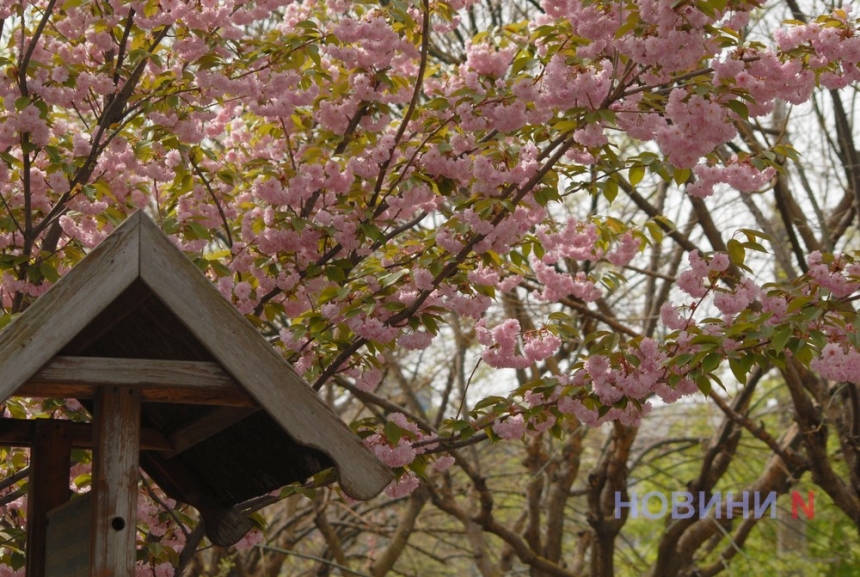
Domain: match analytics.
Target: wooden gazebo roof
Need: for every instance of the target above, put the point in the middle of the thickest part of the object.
(224, 417)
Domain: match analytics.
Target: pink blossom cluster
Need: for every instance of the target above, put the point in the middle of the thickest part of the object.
(558, 285)
(589, 413)
(563, 87)
(145, 569)
(700, 279)
(835, 276)
(400, 454)
(415, 341)
(403, 452)
(597, 23)
(838, 363)
(741, 176)
(676, 41)
(368, 43)
(625, 250)
(159, 524)
(610, 381)
(503, 345)
(510, 428)
(831, 44)
(487, 60)
(692, 281)
(739, 297)
(577, 240)
(372, 329)
(250, 539)
(402, 486)
(690, 114)
(671, 317)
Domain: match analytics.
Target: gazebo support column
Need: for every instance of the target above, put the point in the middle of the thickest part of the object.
(115, 476)
(50, 455)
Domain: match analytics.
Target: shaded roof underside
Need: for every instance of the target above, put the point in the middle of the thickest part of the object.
(247, 459)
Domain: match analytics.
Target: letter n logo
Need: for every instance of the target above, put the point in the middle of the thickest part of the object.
(808, 508)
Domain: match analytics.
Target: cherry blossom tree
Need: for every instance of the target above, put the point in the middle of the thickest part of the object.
(370, 181)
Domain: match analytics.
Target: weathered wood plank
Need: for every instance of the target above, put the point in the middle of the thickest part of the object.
(21, 433)
(115, 476)
(48, 487)
(201, 429)
(134, 372)
(61, 313)
(164, 381)
(260, 369)
(70, 538)
(202, 396)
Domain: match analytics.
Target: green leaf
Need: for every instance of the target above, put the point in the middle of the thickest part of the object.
(335, 274)
(681, 175)
(49, 271)
(736, 251)
(739, 108)
(610, 190)
(430, 324)
(741, 367)
(393, 432)
(704, 384)
(752, 233)
(489, 401)
(711, 362)
(780, 339)
(636, 174)
(798, 303)
(393, 277)
(655, 231)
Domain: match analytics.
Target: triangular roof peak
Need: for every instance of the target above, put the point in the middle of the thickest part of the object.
(139, 252)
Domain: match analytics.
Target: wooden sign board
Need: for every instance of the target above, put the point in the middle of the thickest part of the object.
(69, 539)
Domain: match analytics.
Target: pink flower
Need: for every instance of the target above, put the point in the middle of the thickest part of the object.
(249, 540)
(671, 318)
(511, 428)
(692, 284)
(443, 463)
(242, 290)
(415, 341)
(487, 61)
(503, 341)
(402, 487)
(173, 158)
(625, 250)
(6, 571)
(540, 347)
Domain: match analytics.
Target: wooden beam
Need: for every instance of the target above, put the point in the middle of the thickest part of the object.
(22, 433)
(48, 487)
(235, 398)
(134, 372)
(213, 422)
(163, 381)
(115, 476)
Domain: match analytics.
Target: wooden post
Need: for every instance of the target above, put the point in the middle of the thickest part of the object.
(50, 456)
(115, 474)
